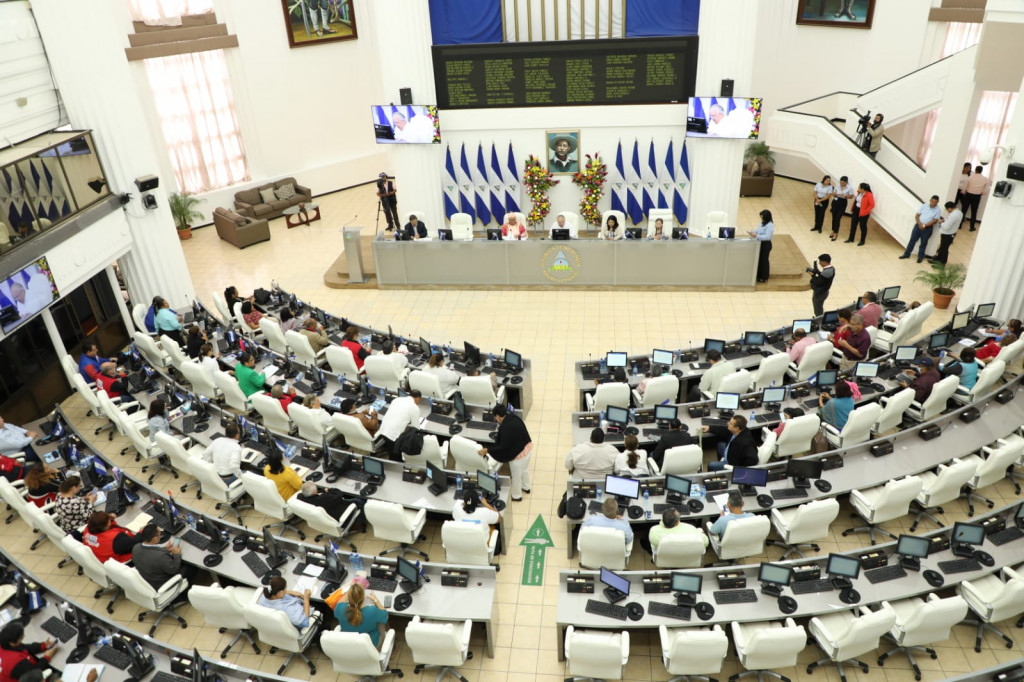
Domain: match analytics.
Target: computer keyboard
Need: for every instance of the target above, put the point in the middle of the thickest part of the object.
(959, 566)
(305, 462)
(383, 584)
(59, 629)
(651, 433)
(812, 403)
(885, 573)
(482, 426)
(1006, 535)
(614, 437)
(788, 493)
(812, 586)
(356, 475)
(594, 507)
(162, 521)
(113, 503)
(659, 608)
(889, 372)
(163, 676)
(114, 657)
(196, 539)
(735, 596)
(603, 608)
(712, 421)
(662, 508)
(440, 419)
(767, 417)
(255, 564)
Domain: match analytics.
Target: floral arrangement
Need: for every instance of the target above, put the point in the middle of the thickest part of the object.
(591, 180)
(755, 109)
(537, 180)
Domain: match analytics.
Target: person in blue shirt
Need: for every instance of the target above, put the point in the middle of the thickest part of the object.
(967, 369)
(763, 234)
(354, 615)
(294, 604)
(168, 322)
(610, 518)
(733, 511)
(927, 216)
(837, 410)
(89, 362)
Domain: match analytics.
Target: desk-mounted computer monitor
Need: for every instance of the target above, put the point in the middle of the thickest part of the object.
(438, 477)
(275, 555)
(937, 342)
(617, 586)
(513, 360)
(713, 344)
(965, 537)
(802, 324)
(619, 416)
(374, 468)
(425, 347)
(985, 310)
(624, 489)
(842, 569)
(827, 379)
(615, 359)
(801, 470)
(665, 413)
(911, 550)
(727, 233)
(773, 396)
(558, 234)
(773, 577)
(409, 575)
(749, 479)
(494, 234)
(333, 572)
(472, 354)
(751, 339)
(488, 484)
(459, 404)
(727, 403)
(634, 233)
(662, 357)
(906, 354)
(1018, 518)
(444, 234)
(865, 370)
(677, 488)
(960, 321)
(680, 233)
(686, 587)
(890, 293)
(830, 318)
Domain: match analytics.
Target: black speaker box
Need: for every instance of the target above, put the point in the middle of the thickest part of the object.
(969, 415)
(994, 524)
(810, 572)
(405, 94)
(940, 543)
(930, 432)
(1015, 171)
(732, 581)
(147, 183)
(727, 84)
(873, 560)
(881, 449)
(1004, 396)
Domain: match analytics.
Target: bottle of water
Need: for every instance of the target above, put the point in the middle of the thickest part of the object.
(191, 520)
(430, 402)
(647, 503)
(751, 418)
(458, 483)
(709, 232)
(635, 372)
(600, 493)
(105, 640)
(490, 359)
(356, 562)
(604, 365)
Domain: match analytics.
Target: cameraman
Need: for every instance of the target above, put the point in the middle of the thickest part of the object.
(875, 132)
(386, 193)
(821, 282)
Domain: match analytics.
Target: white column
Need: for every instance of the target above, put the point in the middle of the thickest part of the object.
(85, 45)
(51, 329)
(402, 31)
(995, 272)
(126, 314)
(728, 31)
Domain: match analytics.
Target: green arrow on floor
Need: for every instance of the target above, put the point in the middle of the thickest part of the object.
(537, 540)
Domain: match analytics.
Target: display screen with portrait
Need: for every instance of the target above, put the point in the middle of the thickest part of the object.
(25, 293)
(736, 118)
(405, 124)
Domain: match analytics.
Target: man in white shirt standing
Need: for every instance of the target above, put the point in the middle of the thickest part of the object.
(402, 412)
(226, 454)
(924, 222)
(975, 188)
(947, 231)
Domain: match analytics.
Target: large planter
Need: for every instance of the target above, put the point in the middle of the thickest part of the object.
(187, 234)
(942, 301)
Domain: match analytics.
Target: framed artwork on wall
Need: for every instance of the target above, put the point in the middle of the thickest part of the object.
(311, 22)
(836, 13)
(563, 151)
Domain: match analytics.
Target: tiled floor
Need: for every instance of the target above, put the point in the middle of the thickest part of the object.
(553, 329)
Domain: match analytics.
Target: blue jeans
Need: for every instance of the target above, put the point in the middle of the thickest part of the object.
(924, 235)
(717, 466)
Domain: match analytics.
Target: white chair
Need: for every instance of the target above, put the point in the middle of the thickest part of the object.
(150, 350)
(467, 543)
(341, 362)
(303, 350)
(620, 217)
(156, 602)
(267, 501)
(737, 382)
(893, 408)
(14, 496)
(679, 550)
(93, 569)
(88, 393)
(276, 631)
(987, 379)
(613, 393)
(816, 358)
(240, 324)
(212, 485)
(154, 455)
(200, 380)
(1011, 356)
(906, 329)
(667, 219)
(572, 223)
(180, 458)
(681, 460)
(993, 599)
(478, 391)
(991, 468)
(222, 309)
(659, 389)
(857, 429)
(111, 408)
(233, 396)
(715, 220)
(139, 311)
(742, 538)
(432, 451)
(461, 225)
(596, 655)
(47, 527)
(693, 653)
(352, 430)
(797, 436)
(428, 384)
(844, 635)
(309, 425)
(466, 455)
(173, 351)
(224, 608)
(601, 546)
(763, 648)
(323, 523)
(936, 402)
(274, 416)
(802, 526)
(942, 486)
(391, 521)
(274, 336)
(770, 372)
(381, 372)
(883, 503)
(439, 645)
(920, 622)
(353, 653)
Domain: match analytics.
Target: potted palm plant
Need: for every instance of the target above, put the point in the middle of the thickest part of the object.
(943, 280)
(183, 210)
(758, 178)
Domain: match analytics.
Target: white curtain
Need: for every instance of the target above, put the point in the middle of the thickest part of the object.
(534, 20)
(959, 36)
(994, 115)
(167, 12)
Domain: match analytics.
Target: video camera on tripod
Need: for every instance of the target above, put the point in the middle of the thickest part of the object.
(387, 202)
(863, 121)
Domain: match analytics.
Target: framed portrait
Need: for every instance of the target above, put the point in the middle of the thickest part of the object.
(836, 13)
(311, 22)
(563, 150)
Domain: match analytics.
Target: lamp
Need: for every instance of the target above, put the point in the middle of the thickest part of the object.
(97, 184)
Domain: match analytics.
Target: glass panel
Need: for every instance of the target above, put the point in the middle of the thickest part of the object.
(31, 179)
(82, 166)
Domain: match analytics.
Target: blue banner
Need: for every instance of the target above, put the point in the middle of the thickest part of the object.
(458, 22)
(656, 18)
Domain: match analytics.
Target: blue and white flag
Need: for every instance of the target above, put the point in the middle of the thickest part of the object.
(649, 176)
(682, 188)
(450, 186)
(634, 187)
(513, 190)
(481, 187)
(494, 179)
(617, 182)
(666, 178)
(466, 190)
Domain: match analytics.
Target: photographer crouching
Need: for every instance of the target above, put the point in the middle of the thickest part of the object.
(387, 195)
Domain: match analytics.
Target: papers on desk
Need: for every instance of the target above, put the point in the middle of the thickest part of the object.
(306, 582)
(313, 570)
(78, 672)
(101, 499)
(823, 335)
(967, 342)
(721, 500)
(138, 523)
(269, 371)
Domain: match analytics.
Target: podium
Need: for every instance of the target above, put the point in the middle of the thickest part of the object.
(354, 255)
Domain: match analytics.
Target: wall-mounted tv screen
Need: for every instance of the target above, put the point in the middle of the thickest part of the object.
(405, 124)
(26, 292)
(736, 118)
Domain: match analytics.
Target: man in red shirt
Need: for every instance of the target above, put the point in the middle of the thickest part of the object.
(284, 397)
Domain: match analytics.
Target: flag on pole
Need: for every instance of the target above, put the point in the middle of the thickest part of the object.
(450, 186)
(465, 185)
(635, 188)
(649, 175)
(666, 182)
(497, 189)
(617, 182)
(682, 188)
(481, 187)
(513, 190)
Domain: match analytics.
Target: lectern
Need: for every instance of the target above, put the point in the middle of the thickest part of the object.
(354, 255)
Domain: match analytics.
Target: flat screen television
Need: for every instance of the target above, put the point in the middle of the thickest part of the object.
(405, 124)
(25, 292)
(735, 118)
